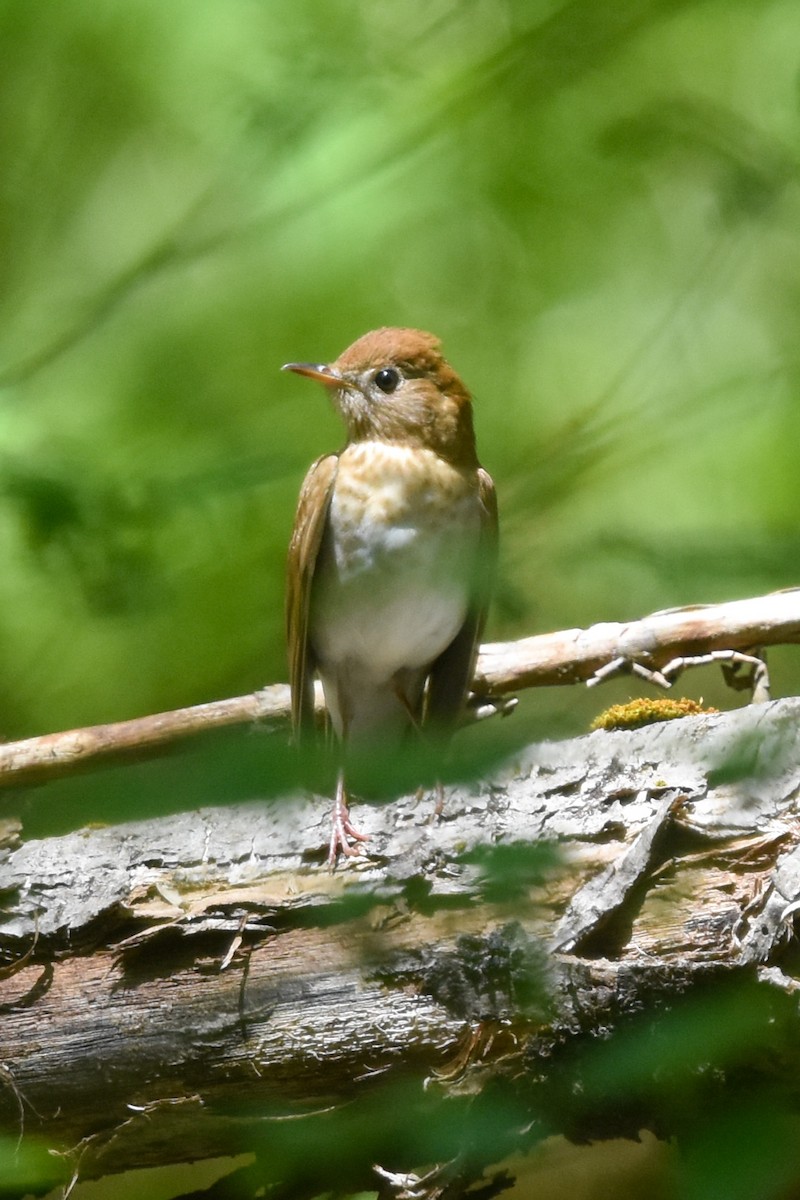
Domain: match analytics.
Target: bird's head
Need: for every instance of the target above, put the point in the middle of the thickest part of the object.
(394, 385)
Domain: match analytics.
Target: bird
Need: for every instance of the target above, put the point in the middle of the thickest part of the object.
(392, 556)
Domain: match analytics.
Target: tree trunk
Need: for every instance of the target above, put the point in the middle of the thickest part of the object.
(179, 987)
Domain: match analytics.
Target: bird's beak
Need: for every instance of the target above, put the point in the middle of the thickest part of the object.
(321, 372)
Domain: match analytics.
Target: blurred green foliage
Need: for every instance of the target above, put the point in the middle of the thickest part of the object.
(596, 207)
(26, 1165)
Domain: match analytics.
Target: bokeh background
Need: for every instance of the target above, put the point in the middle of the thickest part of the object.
(595, 205)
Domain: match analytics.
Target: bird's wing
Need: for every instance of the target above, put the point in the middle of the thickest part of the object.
(309, 527)
(452, 672)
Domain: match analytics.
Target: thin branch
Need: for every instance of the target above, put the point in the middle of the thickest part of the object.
(576, 655)
(53, 754)
(566, 657)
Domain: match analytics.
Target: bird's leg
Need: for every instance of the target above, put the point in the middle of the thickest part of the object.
(419, 730)
(412, 710)
(438, 807)
(341, 826)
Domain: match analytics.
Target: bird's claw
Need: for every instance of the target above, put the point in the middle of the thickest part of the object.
(342, 830)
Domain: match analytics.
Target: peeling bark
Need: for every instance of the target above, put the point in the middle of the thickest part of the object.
(172, 984)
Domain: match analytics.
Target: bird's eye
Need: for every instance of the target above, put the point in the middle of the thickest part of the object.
(387, 379)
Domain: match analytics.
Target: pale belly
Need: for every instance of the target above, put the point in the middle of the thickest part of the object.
(392, 585)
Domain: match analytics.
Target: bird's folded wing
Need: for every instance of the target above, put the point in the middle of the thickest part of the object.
(452, 672)
(309, 527)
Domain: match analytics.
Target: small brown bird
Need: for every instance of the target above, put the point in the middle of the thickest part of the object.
(392, 554)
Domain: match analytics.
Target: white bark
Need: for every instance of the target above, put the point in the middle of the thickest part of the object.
(162, 970)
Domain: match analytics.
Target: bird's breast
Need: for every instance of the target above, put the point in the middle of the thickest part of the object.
(393, 579)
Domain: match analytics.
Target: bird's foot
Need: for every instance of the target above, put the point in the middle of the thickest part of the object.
(438, 798)
(438, 807)
(342, 829)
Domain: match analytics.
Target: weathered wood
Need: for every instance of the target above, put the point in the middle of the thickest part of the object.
(576, 655)
(185, 972)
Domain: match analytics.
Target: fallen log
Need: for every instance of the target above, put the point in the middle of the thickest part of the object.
(189, 986)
